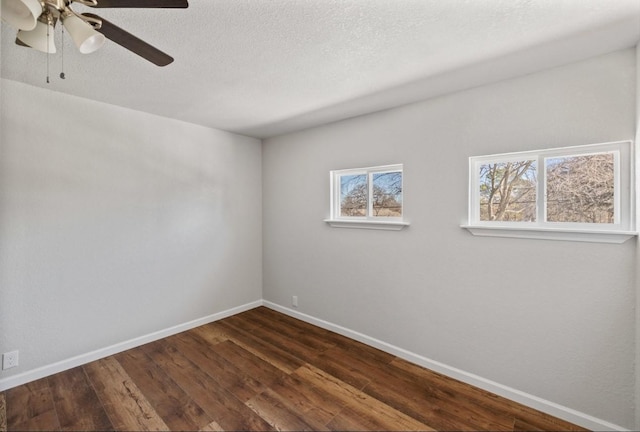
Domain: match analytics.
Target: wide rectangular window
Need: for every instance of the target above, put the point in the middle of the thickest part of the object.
(364, 195)
(585, 188)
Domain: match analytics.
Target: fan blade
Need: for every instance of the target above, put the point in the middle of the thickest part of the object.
(142, 4)
(130, 42)
(19, 42)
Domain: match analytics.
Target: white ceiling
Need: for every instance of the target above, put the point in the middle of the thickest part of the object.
(268, 67)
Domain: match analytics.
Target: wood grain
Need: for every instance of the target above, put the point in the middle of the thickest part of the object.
(76, 403)
(30, 407)
(261, 370)
(3, 413)
(172, 404)
(123, 401)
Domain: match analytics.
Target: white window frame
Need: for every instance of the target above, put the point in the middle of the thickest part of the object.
(369, 221)
(621, 230)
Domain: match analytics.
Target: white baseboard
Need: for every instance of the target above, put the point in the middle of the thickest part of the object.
(551, 408)
(44, 371)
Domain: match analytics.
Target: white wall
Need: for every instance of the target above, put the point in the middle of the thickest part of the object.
(115, 224)
(550, 318)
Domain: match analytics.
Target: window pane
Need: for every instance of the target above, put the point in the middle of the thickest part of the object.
(580, 188)
(387, 194)
(508, 191)
(353, 195)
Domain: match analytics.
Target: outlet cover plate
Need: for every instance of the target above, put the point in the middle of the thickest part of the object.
(9, 360)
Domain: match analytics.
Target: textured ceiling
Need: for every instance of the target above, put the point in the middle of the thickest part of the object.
(267, 67)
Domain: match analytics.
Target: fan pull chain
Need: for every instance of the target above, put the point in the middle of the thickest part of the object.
(62, 53)
(48, 53)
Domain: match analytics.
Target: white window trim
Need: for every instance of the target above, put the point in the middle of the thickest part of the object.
(591, 236)
(624, 199)
(364, 222)
(367, 224)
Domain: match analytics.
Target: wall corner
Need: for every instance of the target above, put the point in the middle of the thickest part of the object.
(637, 215)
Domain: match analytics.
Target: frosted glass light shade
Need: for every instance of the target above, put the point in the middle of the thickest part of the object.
(22, 14)
(84, 36)
(37, 38)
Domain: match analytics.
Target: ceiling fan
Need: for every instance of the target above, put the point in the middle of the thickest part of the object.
(36, 20)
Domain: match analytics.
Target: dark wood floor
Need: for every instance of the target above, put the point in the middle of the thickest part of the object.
(261, 370)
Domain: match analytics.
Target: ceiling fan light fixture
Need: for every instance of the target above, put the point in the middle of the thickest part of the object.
(22, 14)
(84, 36)
(37, 38)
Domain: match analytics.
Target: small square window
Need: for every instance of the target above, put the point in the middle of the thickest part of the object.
(367, 195)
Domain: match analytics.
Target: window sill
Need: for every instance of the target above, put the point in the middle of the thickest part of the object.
(367, 224)
(551, 234)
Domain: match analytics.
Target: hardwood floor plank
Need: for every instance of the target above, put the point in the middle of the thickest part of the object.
(350, 419)
(278, 414)
(277, 357)
(3, 413)
(318, 406)
(240, 383)
(521, 426)
(535, 420)
(419, 405)
(469, 396)
(244, 357)
(311, 339)
(172, 404)
(189, 414)
(76, 403)
(365, 406)
(126, 406)
(448, 408)
(349, 422)
(223, 407)
(28, 403)
(213, 333)
(283, 340)
(45, 421)
(250, 364)
(212, 427)
(351, 366)
(356, 348)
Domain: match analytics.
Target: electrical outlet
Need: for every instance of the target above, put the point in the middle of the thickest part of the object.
(294, 301)
(9, 360)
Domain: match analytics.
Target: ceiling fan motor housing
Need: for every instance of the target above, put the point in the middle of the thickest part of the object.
(36, 18)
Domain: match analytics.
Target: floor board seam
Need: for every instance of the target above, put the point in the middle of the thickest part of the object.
(53, 403)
